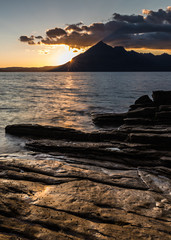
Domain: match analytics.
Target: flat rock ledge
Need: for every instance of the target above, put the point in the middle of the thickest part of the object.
(102, 185)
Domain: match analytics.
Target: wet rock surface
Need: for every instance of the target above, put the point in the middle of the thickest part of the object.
(103, 185)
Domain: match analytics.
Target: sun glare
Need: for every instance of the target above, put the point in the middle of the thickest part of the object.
(64, 54)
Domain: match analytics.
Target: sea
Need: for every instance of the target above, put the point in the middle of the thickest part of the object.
(68, 99)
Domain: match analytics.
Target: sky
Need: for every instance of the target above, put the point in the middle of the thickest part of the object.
(38, 33)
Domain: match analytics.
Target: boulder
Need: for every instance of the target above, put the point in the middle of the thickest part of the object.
(144, 100)
(162, 97)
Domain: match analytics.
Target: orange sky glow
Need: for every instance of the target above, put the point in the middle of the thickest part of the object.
(39, 56)
(54, 55)
(35, 33)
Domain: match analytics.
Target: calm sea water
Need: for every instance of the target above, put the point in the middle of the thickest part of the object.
(69, 99)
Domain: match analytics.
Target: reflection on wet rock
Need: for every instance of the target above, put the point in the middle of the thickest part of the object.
(111, 184)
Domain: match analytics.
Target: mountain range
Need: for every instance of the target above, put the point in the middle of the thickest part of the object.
(104, 58)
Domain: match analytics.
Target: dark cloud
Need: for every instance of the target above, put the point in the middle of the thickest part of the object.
(128, 18)
(74, 27)
(74, 40)
(151, 30)
(26, 39)
(56, 32)
(146, 40)
(158, 17)
(38, 37)
(95, 27)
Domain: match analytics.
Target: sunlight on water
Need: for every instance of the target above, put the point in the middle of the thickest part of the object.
(69, 99)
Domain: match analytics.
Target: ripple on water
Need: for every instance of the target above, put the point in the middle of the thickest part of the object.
(68, 99)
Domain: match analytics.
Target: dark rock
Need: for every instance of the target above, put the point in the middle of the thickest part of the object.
(164, 108)
(144, 100)
(49, 132)
(162, 140)
(137, 106)
(109, 119)
(138, 121)
(162, 97)
(163, 115)
(44, 132)
(148, 112)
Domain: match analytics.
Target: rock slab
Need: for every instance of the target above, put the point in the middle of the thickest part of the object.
(103, 185)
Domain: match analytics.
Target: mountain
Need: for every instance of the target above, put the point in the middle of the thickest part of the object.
(104, 58)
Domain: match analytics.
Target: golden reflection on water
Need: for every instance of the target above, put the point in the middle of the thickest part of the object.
(67, 99)
(62, 106)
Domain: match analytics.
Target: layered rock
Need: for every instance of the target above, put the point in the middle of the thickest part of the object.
(101, 185)
(156, 112)
(109, 119)
(144, 111)
(52, 199)
(162, 97)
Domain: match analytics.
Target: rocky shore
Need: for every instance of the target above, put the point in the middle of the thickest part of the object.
(110, 184)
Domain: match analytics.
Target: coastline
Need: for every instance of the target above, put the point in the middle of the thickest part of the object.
(101, 185)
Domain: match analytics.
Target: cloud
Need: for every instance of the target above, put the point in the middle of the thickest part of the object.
(56, 32)
(38, 37)
(29, 40)
(128, 18)
(150, 30)
(158, 17)
(74, 27)
(26, 39)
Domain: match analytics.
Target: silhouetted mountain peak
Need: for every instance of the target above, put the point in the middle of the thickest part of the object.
(119, 50)
(100, 44)
(99, 48)
(102, 57)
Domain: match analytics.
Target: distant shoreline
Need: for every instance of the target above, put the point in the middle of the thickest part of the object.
(29, 71)
(104, 58)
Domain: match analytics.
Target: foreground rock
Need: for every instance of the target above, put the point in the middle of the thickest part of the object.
(144, 111)
(102, 185)
(75, 199)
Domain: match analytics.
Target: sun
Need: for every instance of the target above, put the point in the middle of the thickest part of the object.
(64, 54)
